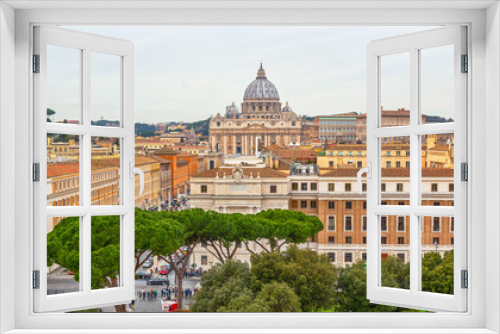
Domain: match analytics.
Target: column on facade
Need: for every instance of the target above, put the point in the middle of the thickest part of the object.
(243, 145)
(234, 143)
(225, 144)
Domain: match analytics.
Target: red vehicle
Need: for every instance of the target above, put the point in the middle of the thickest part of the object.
(169, 305)
(164, 270)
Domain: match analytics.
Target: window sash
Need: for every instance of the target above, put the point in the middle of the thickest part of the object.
(86, 297)
(414, 298)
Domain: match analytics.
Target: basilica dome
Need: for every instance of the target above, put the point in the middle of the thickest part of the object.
(261, 88)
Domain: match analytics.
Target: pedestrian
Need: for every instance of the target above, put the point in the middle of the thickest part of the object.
(132, 305)
(149, 295)
(155, 293)
(143, 294)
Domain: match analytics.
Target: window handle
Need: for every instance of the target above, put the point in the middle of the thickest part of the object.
(368, 171)
(135, 170)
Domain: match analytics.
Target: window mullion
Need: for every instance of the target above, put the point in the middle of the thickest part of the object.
(415, 235)
(86, 178)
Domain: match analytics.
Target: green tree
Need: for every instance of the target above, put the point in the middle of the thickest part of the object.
(437, 272)
(286, 227)
(395, 273)
(153, 235)
(311, 276)
(50, 113)
(223, 284)
(195, 225)
(279, 297)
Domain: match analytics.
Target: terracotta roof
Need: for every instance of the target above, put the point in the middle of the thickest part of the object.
(142, 160)
(440, 147)
(295, 153)
(169, 152)
(182, 162)
(392, 172)
(264, 172)
(343, 115)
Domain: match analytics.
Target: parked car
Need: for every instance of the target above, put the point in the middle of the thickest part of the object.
(144, 275)
(147, 264)
(164, 270)
(159, 281)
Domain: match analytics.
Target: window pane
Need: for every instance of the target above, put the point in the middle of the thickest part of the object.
(437, 255)
(63, 170)
(395, 169)
(105, 171)
(63, 84)
(105, 89)
(437, 84)
(395, 252)
(437, 169)
(105, 252)
(395, 89)
(63, 255)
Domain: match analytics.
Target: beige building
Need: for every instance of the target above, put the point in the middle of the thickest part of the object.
(262, 121)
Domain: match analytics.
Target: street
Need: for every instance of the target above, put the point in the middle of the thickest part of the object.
(58, 281)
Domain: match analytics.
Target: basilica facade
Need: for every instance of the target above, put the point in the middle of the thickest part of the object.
(262, 121)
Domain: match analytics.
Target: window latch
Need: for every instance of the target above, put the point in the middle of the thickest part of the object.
(368, 171)
(36, 279)
(135, 170)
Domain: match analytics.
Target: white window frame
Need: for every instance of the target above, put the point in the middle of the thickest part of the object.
(483, 90)
(412, 44)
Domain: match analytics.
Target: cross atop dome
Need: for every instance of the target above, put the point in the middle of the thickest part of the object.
(261, 73)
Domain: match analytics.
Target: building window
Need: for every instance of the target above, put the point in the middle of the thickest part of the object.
(203, 189)
(364, 205)
(383, 223)
(401, 224)
(330, 163)
(435, 241)
(331, 240)
(273, 189)
(388, 164)
(452, 241)
(347, 187)
(383, 240)
(331, 186)
(331, 257)
(295, 186)
(294, 204)
(348, 223)
(451, 187)
(303, 204)
(436, 224)
(314, 186)
(348, 240)
(401, 257)
(398, 164)
(359, 164)
(434, 187)
(313, 204)
(331, 223)
(407, 164)
(383, 203)
(348, 205)
(401, 240)
(382, 187)
(364, 223)
(452, 224)
(204, 260)
(303, 186)
(399, 187)
(401, 203)
(364, 240)
(347, 257)
(363, 256)
(331, 205)
(436, 203)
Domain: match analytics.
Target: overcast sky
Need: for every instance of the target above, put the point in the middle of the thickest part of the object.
(191, 73)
